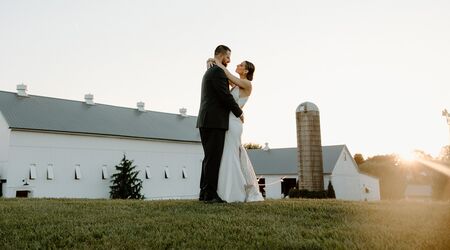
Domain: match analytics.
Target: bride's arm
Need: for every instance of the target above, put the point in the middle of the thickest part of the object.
(242, 83)
(210, 62)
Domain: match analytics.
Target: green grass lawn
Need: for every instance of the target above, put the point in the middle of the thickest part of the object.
(291, 224)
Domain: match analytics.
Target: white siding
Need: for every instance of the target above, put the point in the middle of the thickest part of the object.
(273, 186)
(4, 145)
(345, 178)
(370, 188)
(64, 152)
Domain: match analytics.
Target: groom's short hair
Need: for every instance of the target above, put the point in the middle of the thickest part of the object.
(221, 49)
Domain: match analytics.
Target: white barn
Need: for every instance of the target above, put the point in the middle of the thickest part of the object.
(53, 147)
(278, 168)
(60, 148)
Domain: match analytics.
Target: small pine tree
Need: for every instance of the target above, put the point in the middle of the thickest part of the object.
(330, 191)
(126, 184)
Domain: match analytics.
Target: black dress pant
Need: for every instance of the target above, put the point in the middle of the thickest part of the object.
(212, 142)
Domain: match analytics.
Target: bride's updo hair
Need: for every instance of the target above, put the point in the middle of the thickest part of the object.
(251, 69)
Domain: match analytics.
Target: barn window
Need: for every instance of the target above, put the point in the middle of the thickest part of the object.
(262, 186)
(50, 174)
(77, 172)
(166, 173)
(147, 173)
(104, 173)
(32, 172)
(287, 184)
(184, 174)
(345, 156)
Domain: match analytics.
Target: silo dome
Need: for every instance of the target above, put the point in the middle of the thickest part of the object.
(307, 106)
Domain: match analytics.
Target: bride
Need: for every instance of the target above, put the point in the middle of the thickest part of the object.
(237, 180)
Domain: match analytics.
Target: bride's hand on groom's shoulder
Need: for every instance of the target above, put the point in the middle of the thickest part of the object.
(219, 64)
(210, 62)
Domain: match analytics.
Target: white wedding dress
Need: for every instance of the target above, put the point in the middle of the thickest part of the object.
(237, 180)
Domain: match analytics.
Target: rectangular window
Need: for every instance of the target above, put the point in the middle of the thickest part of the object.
(147, 173)
(32, 172)
(50, 174)
(166, 173)
(77, 172)
(262, 186)
(104, 173)
(287, 184)
(184, 174)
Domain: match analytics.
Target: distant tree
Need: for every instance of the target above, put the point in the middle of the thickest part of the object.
(330, 191)
(392, 177)
(126, 184)
(439, 185)
(445, 154)
(422, 155)
(252, 146)
(440, 182)
(359, 159)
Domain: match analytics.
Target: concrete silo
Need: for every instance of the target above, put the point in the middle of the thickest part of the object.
(309, 145)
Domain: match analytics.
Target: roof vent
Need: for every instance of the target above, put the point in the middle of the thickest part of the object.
(141, 106)
(266, 147)
(183, 112)
(89, 99)
(22, 90)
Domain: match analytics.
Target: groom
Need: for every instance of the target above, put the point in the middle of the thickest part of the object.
(215, 106)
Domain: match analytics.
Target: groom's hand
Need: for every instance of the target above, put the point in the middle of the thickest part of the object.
(242, 118)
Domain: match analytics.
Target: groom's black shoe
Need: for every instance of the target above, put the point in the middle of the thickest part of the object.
(213, 199)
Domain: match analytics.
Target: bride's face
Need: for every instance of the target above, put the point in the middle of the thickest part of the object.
(240, 69)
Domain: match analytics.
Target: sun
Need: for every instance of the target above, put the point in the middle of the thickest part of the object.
(408, 156)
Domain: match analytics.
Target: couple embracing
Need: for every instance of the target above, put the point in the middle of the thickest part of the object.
(227, 173)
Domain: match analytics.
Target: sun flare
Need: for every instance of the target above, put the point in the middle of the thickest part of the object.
(408, 156)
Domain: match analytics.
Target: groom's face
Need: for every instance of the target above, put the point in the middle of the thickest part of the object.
(226, 58)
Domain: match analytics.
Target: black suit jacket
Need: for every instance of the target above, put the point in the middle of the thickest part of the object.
(216, 100)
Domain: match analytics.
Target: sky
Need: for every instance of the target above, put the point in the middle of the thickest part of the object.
(379, 71)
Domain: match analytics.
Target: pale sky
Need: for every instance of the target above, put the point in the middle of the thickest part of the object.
(379, 71)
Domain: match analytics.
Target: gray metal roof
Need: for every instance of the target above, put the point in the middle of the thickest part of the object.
(284, 160)
(59, 115)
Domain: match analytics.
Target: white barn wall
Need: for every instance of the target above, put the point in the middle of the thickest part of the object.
(273, 186)
(4, 138)
(65, 151)
(373, 185)
(345, 178)
(4, 145)
(326, 179)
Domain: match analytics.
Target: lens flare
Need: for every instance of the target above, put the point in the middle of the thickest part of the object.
(436, 166)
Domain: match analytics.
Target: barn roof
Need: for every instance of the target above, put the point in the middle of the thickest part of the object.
(40, 113)
(284, 160)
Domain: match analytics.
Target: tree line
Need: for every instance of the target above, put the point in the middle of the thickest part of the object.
(395, 174)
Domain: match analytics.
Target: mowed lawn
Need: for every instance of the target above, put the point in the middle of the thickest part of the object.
(287, 224)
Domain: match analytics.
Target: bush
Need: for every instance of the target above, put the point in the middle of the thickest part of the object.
(304, 193)
(294, 193)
